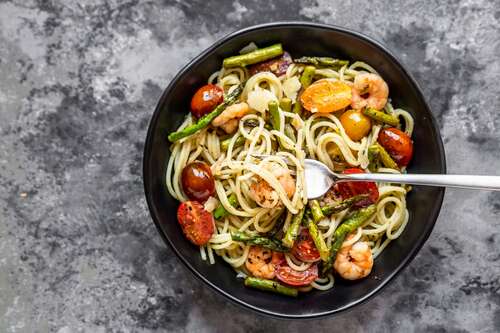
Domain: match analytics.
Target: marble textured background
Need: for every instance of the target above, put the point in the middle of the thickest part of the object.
(78, 83)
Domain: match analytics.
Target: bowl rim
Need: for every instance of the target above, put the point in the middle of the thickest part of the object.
(148, 149)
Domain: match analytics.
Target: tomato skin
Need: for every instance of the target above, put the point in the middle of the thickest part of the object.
(304, 248)
(197, 224)
(206, 99)
(277, 66)
(197, 181)
(288, 275)
(398, 144)
(350, 189)
(326, 96)
(356, 124)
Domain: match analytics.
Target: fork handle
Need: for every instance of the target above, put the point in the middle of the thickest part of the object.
(461, 181)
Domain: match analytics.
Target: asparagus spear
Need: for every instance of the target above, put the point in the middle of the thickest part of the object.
(380, 116)
(278, 226)
(293, 230)
(253, 57)
(268, 243)
(386, 159)
(307, 76)
(305, 81)
(317, 239)
(220, 211)
(316, 211)
(270, 285)
(322, 61)
(352, 223)
(286, 104)
(289, 132)
(344, 204)
(373, 158)
(274, 115)
(206, 119)
(224, 145)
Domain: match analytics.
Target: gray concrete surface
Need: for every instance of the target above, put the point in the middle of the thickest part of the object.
(78, 83)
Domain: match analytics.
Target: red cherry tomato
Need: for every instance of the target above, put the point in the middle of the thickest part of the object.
(304, 248)
(197, 224)
(350, 189)
(398, 144)
(288, 275)
(197, 181)
(206, 99)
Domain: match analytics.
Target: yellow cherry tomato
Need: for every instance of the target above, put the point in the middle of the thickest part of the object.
(356, 124)
(326, 96)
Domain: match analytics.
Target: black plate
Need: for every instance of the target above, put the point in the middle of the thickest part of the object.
(299, 39)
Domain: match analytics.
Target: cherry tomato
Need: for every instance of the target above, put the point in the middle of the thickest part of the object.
(206, 99)
(292, 277)
(398, 144)
(278, 65)
(197, 181)
(356, 124)
(326, 96)
(304, 248)
(350, 189)
(197, 224)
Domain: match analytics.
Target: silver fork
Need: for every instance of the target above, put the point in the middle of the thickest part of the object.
(319, 178)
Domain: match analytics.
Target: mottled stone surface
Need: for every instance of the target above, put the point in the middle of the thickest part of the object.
(78, 83)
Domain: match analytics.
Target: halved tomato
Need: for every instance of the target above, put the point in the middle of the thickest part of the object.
(197, 224)
(304, 248)
(288, 275)
(398, 144)
(325, 96)
(350, 189)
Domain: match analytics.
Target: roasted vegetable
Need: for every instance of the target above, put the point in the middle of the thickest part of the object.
(398, 144)
(356, 124)
(385, 158)
(317, 238)
(316, 212)
(197, 224)
(277, 65)
(220, 211)
(293, 230)
(206, 119)
(381, 116)
(307, 76)
(270, 285)
(197, 181)
(343, 205)
(224, 145)
(286, 104)
(274, 115)
(326, 96)
(305, 80)
(268, 243)
(253, 57)
(322, 61)
(206, 99)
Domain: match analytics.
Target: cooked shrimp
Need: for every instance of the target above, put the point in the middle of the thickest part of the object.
(373, 86)
(354, 261)
(261, 262)
(265, 195)
(229, 118)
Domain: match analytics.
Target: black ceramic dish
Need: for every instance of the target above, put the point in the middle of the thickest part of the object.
(299, 39)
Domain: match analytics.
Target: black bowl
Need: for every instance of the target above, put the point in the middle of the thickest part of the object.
(299, 39)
